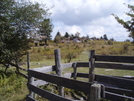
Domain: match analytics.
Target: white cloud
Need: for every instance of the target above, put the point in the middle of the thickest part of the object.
(89, 17)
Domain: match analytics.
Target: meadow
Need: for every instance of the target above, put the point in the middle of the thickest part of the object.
(13, 86)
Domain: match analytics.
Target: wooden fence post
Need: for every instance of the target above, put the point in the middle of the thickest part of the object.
(75, 71)
(58, 68)
(31, 81)
(95, 92)
(28, 61)
(91, 66)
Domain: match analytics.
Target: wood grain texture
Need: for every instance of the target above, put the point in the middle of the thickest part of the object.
(69, 83)
(45, 69)
(116, 97)
(46, 94)
(29, 98)
(121, 91)
(124, 59)
(115, 81)
(115, 66)
(40, 83)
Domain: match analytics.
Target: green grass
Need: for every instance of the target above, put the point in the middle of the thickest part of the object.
(13, 87)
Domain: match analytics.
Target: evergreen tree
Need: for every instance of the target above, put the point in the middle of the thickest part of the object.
(105, 37)
(129, 25)
(66, 35)
(58, 34)
(57, 38)
(46, 29)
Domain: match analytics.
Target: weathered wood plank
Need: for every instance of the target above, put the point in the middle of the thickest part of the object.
(91, 65)
(58, 62)
(68, 75)
(69, 83)
(115, 66)
(116, 97)
(124, 59)
(30, 99)
(82, 64)
(115, 81)
(121, 91)
(58, 68)
(23, 69)
(95, 92)
(107, 65)
(52, 68)
(84, 75)
(111, 89)
(40, 83)
(28, 60)
(45, 69)
(46, 94)
(31, 81)
(75, 71)
(24, 75)
(67, 65)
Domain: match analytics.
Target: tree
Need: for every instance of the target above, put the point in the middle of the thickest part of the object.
(105, 37)
(57, 38)
(17, 19)
(58, 34)
(66, 35)
(112, 39)
(46, 29)
(129, 25)
(72, 37)
(87, 37)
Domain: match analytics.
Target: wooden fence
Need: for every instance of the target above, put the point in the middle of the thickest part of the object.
(112, 88)
(23, 69)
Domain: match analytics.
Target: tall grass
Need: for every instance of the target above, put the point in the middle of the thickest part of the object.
(12, 87)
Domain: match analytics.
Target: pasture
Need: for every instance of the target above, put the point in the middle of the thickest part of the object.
(13, 87)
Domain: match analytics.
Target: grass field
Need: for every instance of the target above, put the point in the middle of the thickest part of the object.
(13, 87)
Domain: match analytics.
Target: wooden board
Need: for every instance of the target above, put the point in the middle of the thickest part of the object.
(68, 75)
(24, 75)
(40, 83)
(82, 64)
(69, 83)
(116, 97)
(45, 69)
(48, 95)
(84, 75)
(67, 65)
(115, 81)
(30, 99)
(121, 91)
(111, 89)
(124, 59)
(115, 66)
(23, 69)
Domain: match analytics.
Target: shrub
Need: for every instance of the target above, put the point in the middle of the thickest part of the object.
(49, 54)
(109, 42)
(125, 48)
(103, 47)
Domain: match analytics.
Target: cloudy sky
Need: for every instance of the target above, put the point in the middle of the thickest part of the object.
(89, 17)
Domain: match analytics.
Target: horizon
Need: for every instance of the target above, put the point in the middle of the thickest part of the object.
(89, 17)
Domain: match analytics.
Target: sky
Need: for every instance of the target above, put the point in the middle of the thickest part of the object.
(89, 17)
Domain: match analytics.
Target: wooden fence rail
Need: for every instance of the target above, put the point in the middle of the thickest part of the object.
(116, 88)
